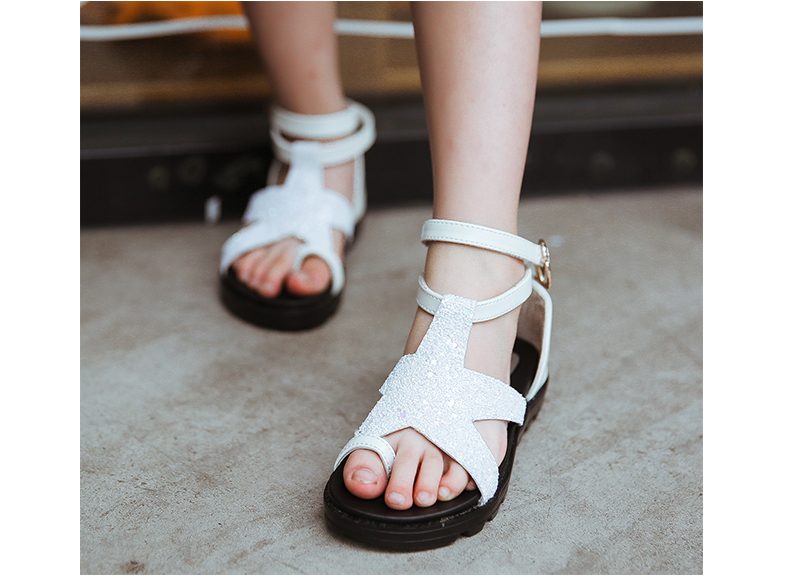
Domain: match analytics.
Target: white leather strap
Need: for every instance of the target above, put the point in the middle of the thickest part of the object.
(368, 442)
(483, 238)
(316, 126)
(429, 300)
(327, 253)
(356, 121)
(542, 372)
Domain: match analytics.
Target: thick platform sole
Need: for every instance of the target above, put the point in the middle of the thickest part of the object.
(285, 312)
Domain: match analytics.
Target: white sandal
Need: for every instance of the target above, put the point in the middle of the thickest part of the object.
(432, 392)
(303, 208)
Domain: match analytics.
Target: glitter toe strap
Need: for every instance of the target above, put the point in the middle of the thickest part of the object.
(432, 392)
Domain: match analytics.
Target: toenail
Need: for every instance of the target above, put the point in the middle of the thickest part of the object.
(396, 499)
(445, 493)
(303, 277)
(364, 476)
(424, 497)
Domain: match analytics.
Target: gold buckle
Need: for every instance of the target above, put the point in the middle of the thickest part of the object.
(544, 269)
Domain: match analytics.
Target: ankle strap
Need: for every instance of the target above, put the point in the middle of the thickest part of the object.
(533, 255)
(315, 126)
(483, 238)
(356, 123)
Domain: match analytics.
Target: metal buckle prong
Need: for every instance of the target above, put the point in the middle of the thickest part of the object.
(544, 269)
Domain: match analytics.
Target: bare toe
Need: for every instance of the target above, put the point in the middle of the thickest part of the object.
(453, 482)
(264, 270)
(427, 484)
(269, 281)
(247, 265)
(364, 474)
(401, 485)
(313, 278)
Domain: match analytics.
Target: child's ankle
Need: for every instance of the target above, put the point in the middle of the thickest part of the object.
(470, 272)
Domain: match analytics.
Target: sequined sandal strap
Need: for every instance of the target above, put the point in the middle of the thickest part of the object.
(433, 392)
(302, 208)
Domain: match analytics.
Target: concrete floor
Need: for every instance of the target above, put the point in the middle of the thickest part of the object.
(206, 442)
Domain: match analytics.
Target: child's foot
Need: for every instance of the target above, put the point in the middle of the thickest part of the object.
(423, 474)
(268, 269)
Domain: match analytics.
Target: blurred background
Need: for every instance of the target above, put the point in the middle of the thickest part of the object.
(174, 128)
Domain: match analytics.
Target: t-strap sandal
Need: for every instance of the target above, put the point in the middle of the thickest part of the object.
(303, 208)
(432, 392)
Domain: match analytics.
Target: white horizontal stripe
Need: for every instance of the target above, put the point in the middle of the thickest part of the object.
(384, 29)
(162, 28)
(621, 26)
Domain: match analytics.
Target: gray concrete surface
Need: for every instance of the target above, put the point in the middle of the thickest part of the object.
(205, 442)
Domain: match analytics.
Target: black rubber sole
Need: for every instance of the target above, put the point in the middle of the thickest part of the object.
(286, 312)
(372, 522)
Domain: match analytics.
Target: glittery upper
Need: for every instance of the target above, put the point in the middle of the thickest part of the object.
(301, 207)
(432, 392)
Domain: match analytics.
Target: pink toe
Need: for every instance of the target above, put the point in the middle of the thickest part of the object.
(364, 475)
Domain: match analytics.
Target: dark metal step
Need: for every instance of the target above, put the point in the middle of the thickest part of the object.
(160, 166)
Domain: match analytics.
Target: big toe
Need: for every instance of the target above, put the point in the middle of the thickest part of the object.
(364, 474)
(313, 278)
